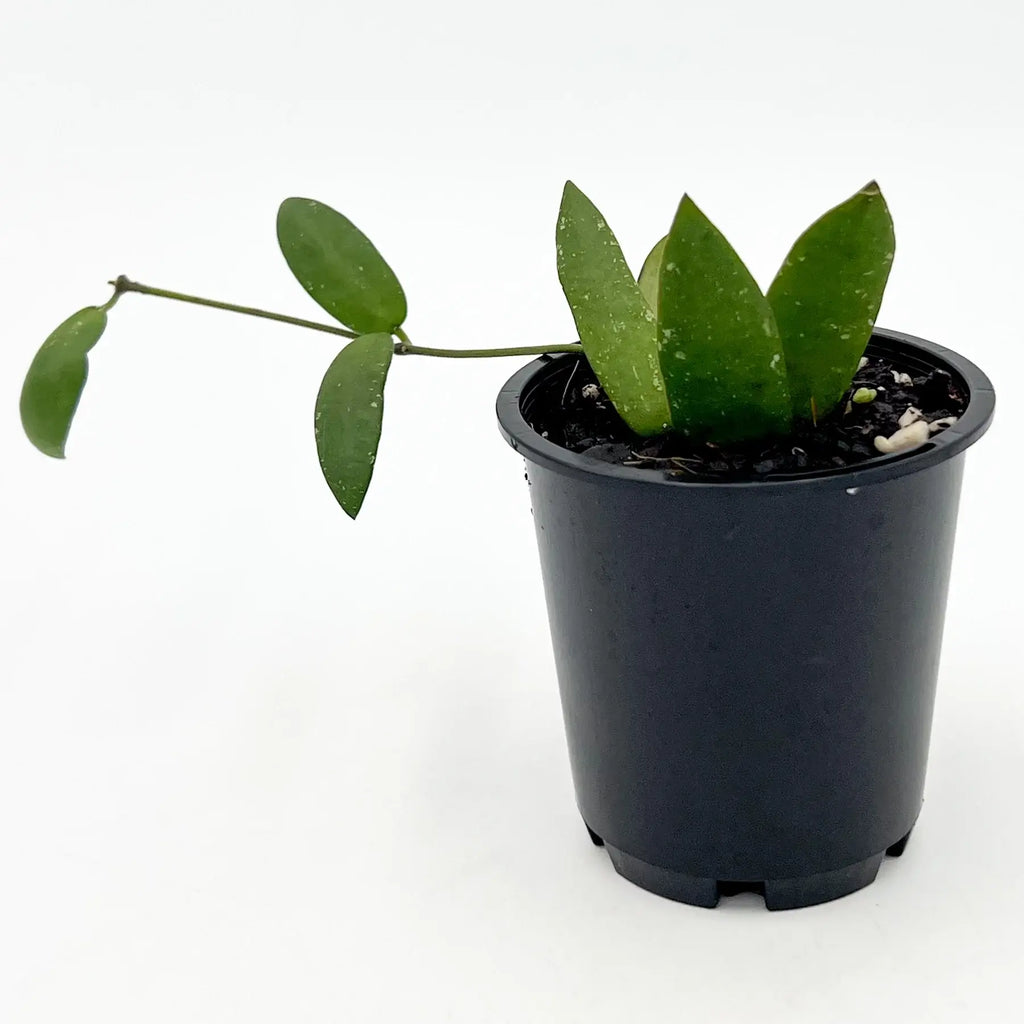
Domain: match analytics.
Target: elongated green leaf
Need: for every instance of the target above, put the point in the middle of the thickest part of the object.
(617, 328)
(54, 382)
(720, 352)
(339, 266)
(650, 275)
(826, 296)
(349, 408)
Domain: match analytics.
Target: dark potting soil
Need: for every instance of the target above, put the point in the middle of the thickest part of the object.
(586, 422)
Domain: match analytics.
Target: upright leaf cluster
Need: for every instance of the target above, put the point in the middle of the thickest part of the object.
(694, 346)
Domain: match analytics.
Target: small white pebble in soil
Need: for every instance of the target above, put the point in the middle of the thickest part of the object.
(863, 362)
(590, 391)
(904, 439)
(912, 415)
(902, 378)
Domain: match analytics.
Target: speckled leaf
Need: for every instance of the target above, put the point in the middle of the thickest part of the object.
(54, 382)
(349, 408)
(339, 266)
(650, 275)
(826, 296)
(720, 352)
(617, 328)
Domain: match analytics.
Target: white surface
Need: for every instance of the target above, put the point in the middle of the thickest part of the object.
(258, 763)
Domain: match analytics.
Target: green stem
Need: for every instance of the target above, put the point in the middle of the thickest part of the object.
(403, 346)
(404, 349)
(122, 284)
(112, 301)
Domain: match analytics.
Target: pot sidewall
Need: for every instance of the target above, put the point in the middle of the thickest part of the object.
(747, 673)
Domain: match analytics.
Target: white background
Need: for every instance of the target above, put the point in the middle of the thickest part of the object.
(259, 763)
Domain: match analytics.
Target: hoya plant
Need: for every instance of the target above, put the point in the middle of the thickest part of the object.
(691, 346)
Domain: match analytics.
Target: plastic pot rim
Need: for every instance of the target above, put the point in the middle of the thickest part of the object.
(942, 446)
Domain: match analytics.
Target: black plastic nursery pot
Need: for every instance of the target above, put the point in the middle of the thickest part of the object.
(747, 669)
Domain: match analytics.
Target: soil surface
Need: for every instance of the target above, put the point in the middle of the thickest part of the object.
(587, 423)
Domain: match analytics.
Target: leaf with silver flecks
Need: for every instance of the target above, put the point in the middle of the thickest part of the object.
(339, 266)
(616, 326)
(725, 374)
(349, 408)
(826, 297)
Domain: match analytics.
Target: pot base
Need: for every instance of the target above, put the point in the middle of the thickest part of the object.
(778, 893)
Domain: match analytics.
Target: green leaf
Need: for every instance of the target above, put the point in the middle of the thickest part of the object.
(54, 382)
(650, 275)
(724, 368)
(349, 408)
(826, 296)
(340, 267)
(615, 324)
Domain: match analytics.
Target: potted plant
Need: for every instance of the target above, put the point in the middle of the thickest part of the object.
(745, 505)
